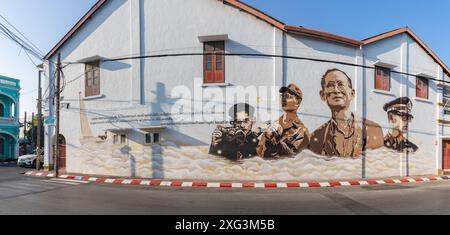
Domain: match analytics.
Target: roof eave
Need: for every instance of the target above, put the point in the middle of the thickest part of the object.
(323, 35)
(75, 28)
(255, 12)
(415, 37)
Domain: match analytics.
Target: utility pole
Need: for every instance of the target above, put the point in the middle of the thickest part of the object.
(39, 126)
(58, 106)
(25, 126)
(32, 130)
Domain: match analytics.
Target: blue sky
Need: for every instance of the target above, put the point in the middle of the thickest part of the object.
(45, 22)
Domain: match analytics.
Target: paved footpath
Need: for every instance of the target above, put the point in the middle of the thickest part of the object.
(30, 195)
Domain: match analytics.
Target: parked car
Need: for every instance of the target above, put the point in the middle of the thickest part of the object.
(29, 160)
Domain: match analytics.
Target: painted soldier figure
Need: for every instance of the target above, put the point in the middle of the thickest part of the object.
(288, 136)
(239, 141)
(343, 135)
(399, 116)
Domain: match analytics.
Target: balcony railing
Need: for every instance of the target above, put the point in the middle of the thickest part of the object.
(9, 82)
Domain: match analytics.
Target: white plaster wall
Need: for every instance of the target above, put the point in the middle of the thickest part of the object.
(308, 74)
(409, 58)
(107, 34)
(112, 33)
(187, 21)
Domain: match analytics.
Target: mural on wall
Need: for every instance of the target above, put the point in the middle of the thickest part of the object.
(399, 116)
(343, 135)
(288, 136)
(281, 149)
(239, 141)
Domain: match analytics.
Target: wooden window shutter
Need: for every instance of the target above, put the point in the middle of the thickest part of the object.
(422, 88)
(382, 79)
(92, 83)
(214, 62)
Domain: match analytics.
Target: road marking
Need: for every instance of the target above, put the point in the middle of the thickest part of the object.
(59, 183)
(69, 181)
(36, 186)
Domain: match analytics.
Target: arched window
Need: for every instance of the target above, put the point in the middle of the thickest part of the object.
(2, 110)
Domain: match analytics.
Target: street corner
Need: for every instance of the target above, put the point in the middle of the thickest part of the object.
(40, 174)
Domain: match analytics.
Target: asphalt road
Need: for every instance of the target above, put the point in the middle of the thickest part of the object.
(24, 195)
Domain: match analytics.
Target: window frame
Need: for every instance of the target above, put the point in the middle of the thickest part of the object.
(446, 97)
(383, 70)
(156, 140)
(214, 53)
(422, 79)
(2, 146)
(148, 138)
(123, 139)
(2, 110)
(153, 137)
(92, 82)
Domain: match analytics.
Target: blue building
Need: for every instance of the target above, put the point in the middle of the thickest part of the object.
(9, 118)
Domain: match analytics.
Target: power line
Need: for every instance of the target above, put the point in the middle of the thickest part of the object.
(35, 47)
(261, 55)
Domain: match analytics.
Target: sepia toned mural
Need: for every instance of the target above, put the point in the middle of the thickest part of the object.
(280, 149)
(399, 116)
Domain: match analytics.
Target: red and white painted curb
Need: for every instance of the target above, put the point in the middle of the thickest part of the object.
(181, 184)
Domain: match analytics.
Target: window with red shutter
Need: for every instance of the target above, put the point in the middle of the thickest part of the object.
(422, 88)
(214, 62)
(382, 79)
(92, 82)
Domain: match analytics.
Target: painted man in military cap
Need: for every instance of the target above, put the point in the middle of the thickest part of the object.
(288, 136)
(239, 141)
(399, 115)
(343, 135)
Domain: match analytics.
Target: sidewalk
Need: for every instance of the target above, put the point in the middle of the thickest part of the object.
(248, 185)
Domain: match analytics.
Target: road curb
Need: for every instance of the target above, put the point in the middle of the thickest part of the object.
(7, 163)
(182, 184)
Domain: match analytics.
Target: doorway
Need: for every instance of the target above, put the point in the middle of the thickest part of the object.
(446, 155)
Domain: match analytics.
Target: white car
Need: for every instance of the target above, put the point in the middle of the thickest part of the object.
(30, 159)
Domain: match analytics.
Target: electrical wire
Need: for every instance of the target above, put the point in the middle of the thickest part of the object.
(251, 55)
(34, 46)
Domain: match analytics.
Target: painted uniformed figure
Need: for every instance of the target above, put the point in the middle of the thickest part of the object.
(343, 135)
(288, 136)
(399, 115)
(239, 141)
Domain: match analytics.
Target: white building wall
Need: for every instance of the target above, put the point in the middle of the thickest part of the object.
(132, 89)
(181, 30)
(409, 58)
(308, 74)
(107, 35)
